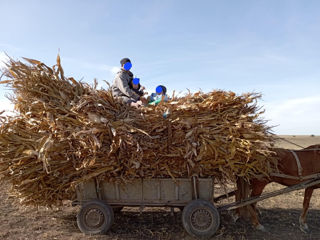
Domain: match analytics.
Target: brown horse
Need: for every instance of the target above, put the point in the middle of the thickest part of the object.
(297, 163)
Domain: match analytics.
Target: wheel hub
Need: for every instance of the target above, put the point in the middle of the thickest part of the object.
(201, 219)
(94, 218)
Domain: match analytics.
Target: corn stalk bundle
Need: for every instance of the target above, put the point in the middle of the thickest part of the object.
(67, 132)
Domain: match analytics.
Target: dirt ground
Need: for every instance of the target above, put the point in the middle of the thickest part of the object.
(279, 215)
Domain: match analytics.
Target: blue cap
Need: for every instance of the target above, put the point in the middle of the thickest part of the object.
(136, 81)
(127, 66)
(159, 89)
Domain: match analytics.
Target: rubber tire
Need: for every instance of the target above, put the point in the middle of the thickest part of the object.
(108, 217)
(191, 208)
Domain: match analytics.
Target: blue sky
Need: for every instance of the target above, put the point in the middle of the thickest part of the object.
(271, 47)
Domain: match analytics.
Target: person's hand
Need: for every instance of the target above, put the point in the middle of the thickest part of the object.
(144, 101)
(135, 104)
(142, 88)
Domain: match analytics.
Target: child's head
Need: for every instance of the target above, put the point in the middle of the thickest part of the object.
(161, 90)
(135, 83)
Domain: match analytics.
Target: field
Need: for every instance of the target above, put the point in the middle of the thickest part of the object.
(279, 215)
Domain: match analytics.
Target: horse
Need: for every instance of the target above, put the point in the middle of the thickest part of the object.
(295, 166)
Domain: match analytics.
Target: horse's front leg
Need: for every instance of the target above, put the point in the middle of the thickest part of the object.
(242, 192)
(306, 202)
(257, 189)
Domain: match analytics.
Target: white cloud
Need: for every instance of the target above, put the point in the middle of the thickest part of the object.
(295, 116)
(114, 70)
(3, 59)
(103, 67)
(6, 105)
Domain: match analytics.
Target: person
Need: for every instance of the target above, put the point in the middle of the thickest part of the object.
(120, 87)
(159, 95)
(136, 87)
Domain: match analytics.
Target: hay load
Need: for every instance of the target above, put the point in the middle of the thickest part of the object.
(67, 132)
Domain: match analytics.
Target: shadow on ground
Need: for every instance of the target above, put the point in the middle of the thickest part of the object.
(281, 224)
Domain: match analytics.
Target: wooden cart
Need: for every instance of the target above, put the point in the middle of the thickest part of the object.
(200, 217)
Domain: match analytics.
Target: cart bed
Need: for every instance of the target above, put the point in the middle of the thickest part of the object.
(147, 192)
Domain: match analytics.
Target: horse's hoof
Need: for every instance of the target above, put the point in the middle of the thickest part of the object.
(261, 228)
(304, 228)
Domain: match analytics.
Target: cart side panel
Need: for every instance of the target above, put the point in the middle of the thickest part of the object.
(147, 191)
(109, 191)
(151, 190)
(185, 190)
(167, 189)
(131, 191)
(205, 187)
(86, 191)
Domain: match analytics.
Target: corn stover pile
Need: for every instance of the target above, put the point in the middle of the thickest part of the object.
(67, 132)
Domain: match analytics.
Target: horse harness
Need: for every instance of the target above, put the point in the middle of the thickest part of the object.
(298, 163)
(281, 175)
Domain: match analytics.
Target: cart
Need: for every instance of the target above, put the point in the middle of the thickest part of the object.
(200, 217)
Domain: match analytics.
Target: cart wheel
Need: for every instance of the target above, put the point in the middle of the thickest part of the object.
(95, 217)
(200, 219)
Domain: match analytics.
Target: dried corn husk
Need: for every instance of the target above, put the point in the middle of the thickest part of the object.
(67, 132)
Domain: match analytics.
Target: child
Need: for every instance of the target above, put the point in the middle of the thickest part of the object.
(159, 95)
(136, 87)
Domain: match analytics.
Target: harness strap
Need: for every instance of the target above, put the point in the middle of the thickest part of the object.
(298, 163)
(280, 175)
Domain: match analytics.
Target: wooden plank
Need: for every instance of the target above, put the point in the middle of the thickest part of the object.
(205, 188)
(156, 191)
(184, 190)
(224, 196)
(86, 190)
(151, 189)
